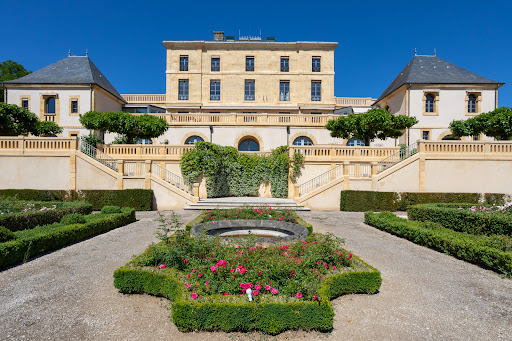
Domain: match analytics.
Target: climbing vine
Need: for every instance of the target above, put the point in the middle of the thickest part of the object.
(231, 173)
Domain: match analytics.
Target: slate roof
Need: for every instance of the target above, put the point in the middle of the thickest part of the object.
(433, 70)
(70, 70)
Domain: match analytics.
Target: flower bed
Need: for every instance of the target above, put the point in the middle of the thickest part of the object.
(291, 284)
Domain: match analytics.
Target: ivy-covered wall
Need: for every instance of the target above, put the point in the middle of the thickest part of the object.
(231, 173)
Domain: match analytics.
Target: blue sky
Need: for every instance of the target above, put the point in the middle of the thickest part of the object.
(376, 38)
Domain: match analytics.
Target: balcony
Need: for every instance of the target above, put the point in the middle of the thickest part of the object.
(144, 99)
(354, 101)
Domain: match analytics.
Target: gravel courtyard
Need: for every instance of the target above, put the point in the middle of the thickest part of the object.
(425, 295)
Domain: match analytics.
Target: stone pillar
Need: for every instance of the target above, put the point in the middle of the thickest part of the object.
(203, 193)
(120, 175)
(374, 175)
(346, 179)
(296, 191)
(148, 175)
(196, 189)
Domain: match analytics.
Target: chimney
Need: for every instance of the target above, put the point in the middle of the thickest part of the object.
(218, 35)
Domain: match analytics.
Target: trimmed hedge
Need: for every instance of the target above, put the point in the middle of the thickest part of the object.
(219, 313)
(30, 219)
(472, 248)
(138, 199)
(361, 201)
(19, 250)
(463, 220)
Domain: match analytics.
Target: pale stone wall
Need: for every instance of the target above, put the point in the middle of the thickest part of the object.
(103, 101)
(90, 176)
(34, 172)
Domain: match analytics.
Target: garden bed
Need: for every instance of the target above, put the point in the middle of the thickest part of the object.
(292, 284)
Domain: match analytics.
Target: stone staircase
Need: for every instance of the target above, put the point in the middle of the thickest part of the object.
(227, 203)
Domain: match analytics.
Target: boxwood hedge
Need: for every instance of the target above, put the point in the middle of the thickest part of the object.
(463, 220)
(30, 219)
(477, 249)
(17, 250)
(361, 201)
(138, 199)
(270, 317)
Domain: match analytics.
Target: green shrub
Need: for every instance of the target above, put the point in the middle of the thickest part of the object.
(28, 220)
(360, 201)
(111, 209)
(477, 249)
(20, 249)
(73, 218)
(6, 234)
(463, 220)
(139, 199)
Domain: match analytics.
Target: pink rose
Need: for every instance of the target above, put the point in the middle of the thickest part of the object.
(200, 275)
(281, 218)
(274, 291)
(225, 294)
(161, 266)
(185, 260)
(267, 287)
(299, 295)
(187, 285)
(257, 287)
(194, 295)
(213, 268)
(255, 292)
(206, 283)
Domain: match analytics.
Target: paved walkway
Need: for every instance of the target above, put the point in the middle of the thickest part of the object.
(425, 295)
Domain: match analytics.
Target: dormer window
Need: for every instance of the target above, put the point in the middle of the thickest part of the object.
(430, 103)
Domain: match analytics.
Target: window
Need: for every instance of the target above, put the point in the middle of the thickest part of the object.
(316, 90)
(353, 142)
(315, 64)
(249, 63)
(472, 103)
(425, 135)
(183, 90)
(429, 103)
(24, 103)
(249, 145)
(183, 63)
(476, 138)
(302, 141)
(214, 90)
(50, 105)
(285, 64)
(74, 106)
(138, 140)
(215, 64)
(193, 139)
(284, 90)
(249, 90)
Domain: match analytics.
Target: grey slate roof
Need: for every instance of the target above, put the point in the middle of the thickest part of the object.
(433, 70)
(70, 70)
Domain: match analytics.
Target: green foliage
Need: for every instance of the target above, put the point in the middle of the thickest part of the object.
(74, 218)
(92, 139)
(139, 199)
(120, 139)
(168, 226)
(6, 234)
(48, 129)
(10, 70)
(110, 209)
(230, 173)
(16, 121)
(496, 123)
(48, 239)
(462, 219)
(141, 126)
(491, 252)
(375, 123)
(360, 201)
(51, 212)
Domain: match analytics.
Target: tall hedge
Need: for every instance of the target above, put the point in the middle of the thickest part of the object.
(138, 199)
(361, 201)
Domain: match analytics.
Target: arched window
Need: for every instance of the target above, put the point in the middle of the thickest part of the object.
(50, 105)
(471, 103)
(302, 141)
(194, 139)
(353, 142)
(429, 103)
(248, 144)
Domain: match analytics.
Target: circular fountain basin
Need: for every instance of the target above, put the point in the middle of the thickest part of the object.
(269, 231)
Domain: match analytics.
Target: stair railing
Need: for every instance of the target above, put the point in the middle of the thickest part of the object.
(172, 178)
(397, 157)
(98, 155)
(320, 180)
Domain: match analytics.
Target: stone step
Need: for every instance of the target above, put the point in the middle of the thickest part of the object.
(227, 203)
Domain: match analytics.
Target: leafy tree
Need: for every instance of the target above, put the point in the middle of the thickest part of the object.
(48, 129)
(143, 126)
(375, 123)
(16, 121)
(10, 70)
(496, 123)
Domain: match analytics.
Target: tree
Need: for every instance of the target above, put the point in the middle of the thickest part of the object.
(496, 123)
(10, 70)
(143, 126)
(16, 121)
(375, 123)
(48, 129)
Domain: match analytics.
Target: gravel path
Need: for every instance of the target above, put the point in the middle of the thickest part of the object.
(425, 295)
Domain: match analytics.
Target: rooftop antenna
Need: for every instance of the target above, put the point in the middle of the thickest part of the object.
(415, 52)
(435, 53)
(86, 53)
(69, 53)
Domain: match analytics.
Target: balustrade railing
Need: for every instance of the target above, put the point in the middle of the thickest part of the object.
(320, 180)
(98, 155)
(354, 101)
(171, 178)
(344, 152)
(359, 170)
(134, 168)
(144, 98)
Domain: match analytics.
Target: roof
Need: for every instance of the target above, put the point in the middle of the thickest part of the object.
(70, 70)
(433, 70)
(267, 43)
